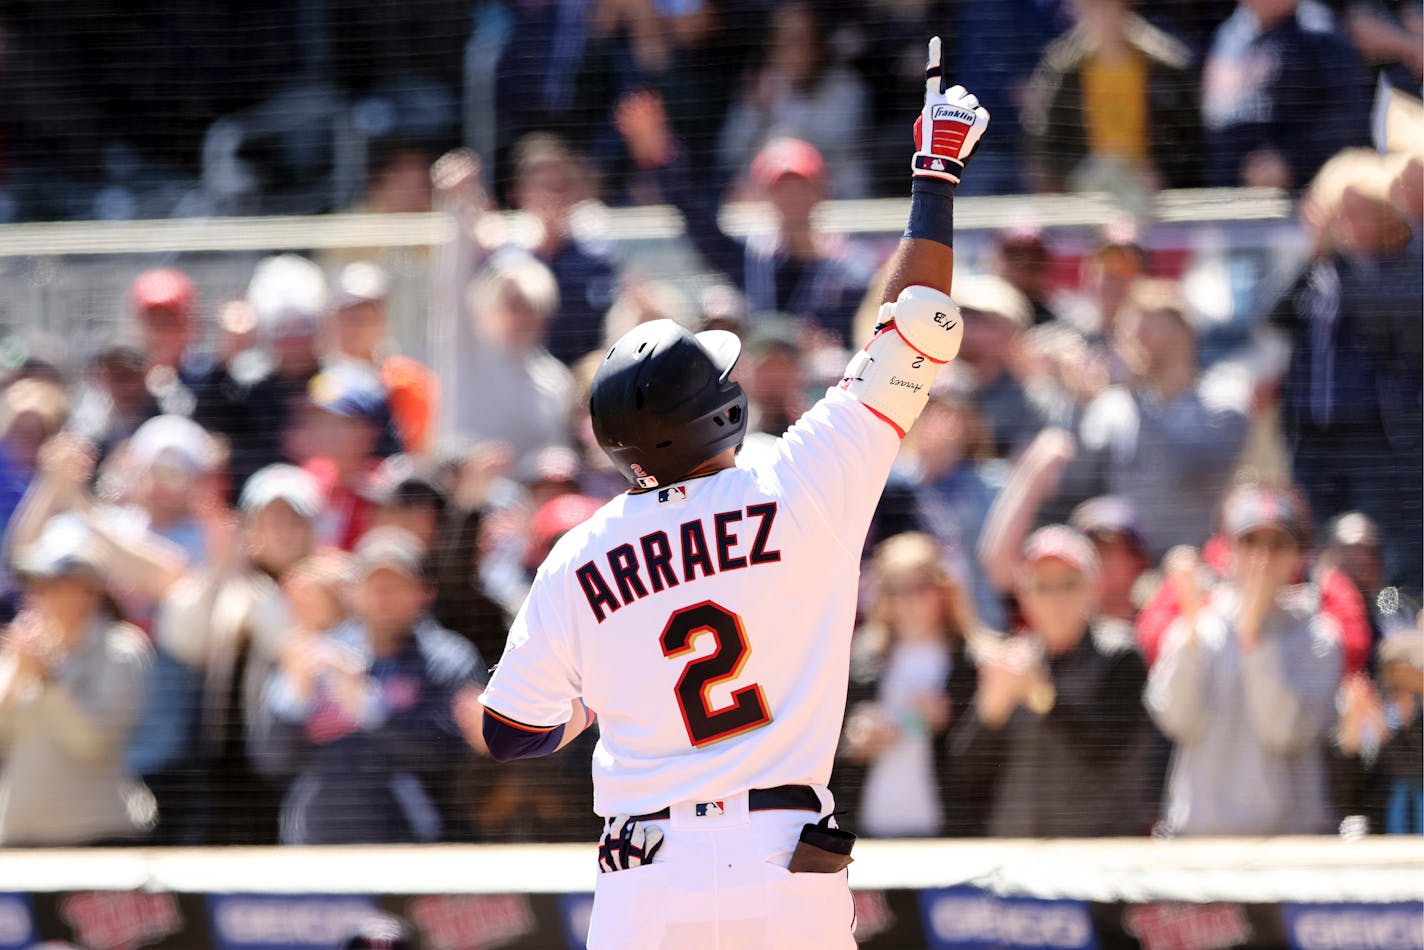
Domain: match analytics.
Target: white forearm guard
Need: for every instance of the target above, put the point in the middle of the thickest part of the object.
(892, 375)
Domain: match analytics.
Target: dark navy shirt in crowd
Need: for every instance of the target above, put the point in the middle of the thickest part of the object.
(367, 778)
(1297, 88)
(585, 271)
(827, 290)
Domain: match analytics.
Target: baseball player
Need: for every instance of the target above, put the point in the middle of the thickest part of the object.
(706, 614)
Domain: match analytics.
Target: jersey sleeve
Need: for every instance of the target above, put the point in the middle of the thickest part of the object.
(537, 678)
(838, 456)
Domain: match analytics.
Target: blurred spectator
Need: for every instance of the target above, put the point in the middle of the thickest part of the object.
(164, 485)
(113, 398)
(800, 92)
(73, 682)
(164, 304)
(1245, 686)
(550, 181)
(229, 623)
(771, 370)
(1282, 91)
(537, 84)
(912, 675)
(1113, 104)
(796, 269)
(1351, 397)
(169, 471)
(259, 395)
(1021, 257)
(1379, 741)
(1184, 570)
(31, 413)
(345, 422)
(1390, 36)
(405, 498)
(1109, 522)
(995, 317)
(358, 328)
(141, 564)
(1168, 437)
(1106, 277)
(1352, 546)
(518, 394)
(943, 484)
(363, 717)
(1058, 730)
(397, 178)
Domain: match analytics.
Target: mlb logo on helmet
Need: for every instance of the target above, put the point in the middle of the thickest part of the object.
(713, 809)
(643, 478)
(674, 494)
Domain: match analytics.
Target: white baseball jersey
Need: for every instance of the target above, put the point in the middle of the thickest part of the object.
(708, 623)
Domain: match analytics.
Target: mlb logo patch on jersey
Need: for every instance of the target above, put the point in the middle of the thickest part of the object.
(713, 809)
(674, 494)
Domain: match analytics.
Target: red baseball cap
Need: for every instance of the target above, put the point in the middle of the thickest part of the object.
(556, 516)
(785, 156)
(165, 288)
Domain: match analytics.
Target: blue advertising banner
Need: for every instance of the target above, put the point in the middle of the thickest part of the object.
(967, 918)
(1354, 926)
(284, 921)
(17, 922)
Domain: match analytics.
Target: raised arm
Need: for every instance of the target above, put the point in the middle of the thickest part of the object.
(642, 121)
(840, 452)
(920, 328)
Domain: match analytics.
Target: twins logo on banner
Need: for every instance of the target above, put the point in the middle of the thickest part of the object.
(1355, 926)
(966, 918)
(120, 920)
(17, 922)
(284, 922)
(1179, 926)
(471, 921)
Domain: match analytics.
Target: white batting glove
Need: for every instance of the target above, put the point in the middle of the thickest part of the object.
(950, 126)
(627, 844)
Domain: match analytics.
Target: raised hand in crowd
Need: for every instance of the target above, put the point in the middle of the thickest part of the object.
(642, 121)
(1010, 676)
(67, 462)
(33, 647)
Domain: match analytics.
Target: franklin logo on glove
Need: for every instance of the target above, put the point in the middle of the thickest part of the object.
(950, 113)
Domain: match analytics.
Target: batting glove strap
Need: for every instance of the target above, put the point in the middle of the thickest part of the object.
(926, 165)
(627, 844)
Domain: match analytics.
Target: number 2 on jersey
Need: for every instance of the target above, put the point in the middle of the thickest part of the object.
(748, 710)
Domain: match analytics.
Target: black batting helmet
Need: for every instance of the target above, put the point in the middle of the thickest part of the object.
(662, 402)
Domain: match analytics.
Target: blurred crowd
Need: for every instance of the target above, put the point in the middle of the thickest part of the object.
(146, 109)
(256, 575)
(257, 563)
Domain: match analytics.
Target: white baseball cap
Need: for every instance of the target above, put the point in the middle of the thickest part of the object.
(65, 546)
(296, 487)
(176, 441)
(359, 282)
